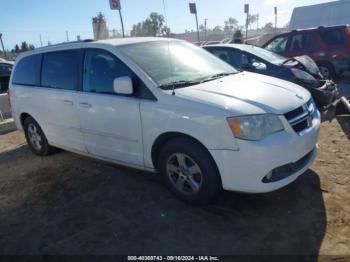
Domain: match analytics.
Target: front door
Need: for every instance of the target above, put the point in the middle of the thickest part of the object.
(110, 123)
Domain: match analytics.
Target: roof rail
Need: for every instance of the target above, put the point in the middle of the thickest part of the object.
(67, 43)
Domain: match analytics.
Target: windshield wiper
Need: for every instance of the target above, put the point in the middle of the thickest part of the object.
(216, 76)
(178, 84)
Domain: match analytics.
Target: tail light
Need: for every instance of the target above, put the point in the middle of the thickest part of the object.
(8, 96)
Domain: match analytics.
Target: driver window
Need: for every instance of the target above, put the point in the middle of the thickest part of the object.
(258, 64)
(100, 70)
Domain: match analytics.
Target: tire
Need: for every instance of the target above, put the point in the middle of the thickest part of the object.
(189, 171)
(36, 138)
(327, 70)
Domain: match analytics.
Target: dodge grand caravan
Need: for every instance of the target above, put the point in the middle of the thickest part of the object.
(169, 106)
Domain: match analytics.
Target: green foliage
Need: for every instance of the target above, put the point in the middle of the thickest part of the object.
(238, 37)
(24, 47)
(231, 24)
(152, 26)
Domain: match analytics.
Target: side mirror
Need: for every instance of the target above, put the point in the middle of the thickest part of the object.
(123, 86)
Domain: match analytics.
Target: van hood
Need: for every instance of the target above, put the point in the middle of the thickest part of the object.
(248, 93)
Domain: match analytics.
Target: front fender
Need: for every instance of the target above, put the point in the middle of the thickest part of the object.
(203, 123)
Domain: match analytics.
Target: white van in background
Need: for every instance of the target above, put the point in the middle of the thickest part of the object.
(327, 14)
(166, 105)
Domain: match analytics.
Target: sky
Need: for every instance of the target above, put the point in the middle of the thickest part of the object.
(26, 20)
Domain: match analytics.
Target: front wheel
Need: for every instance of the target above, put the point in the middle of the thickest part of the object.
(189, 171)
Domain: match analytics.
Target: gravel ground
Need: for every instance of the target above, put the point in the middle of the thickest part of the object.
(69, 204)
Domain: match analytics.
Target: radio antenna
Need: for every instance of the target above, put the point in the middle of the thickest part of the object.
(170, 61)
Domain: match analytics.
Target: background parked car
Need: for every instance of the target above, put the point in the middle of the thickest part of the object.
(329, 47)
(301, 70)
(5, 73)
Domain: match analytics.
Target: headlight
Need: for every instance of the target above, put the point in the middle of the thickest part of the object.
(254, 127)
(302, 75)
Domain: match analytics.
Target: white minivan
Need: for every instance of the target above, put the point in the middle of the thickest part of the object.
(166, 105)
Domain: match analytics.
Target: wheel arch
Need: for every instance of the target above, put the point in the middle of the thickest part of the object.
(23, 116)
(164, 138)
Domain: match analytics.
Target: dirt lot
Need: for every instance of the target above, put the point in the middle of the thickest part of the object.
(68, 204)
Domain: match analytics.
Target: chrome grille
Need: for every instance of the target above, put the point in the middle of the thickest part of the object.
(301, 118)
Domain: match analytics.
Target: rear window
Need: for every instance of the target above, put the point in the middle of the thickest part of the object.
(26, 71)
(60, 70)
(333, 37)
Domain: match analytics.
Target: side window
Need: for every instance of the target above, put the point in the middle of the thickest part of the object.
(61, 70)
(27, 71)
(333, 37)
(221, 53)
(300, 42)
(100, 70)
(257, 63)
(238, 59)
(229, 55)
(278, 45)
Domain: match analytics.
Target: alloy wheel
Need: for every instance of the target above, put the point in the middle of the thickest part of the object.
(184, 173)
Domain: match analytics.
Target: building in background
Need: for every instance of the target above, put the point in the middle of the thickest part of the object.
(99, 26)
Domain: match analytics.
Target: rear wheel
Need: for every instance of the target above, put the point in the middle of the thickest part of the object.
(36, 138)
(189, 171)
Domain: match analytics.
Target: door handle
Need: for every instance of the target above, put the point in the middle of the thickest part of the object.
(85, 105)
(68, 102)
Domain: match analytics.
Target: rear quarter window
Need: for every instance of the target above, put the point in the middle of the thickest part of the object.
(333, 37)
(27, 71)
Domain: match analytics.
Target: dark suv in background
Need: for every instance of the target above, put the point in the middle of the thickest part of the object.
(329, 47)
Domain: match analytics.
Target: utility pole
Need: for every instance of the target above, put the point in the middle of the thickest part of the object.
(2, 45)
(205, 29)
(121, 21)
(246, 10)
(276, 18)
(193, 10)
(67, 36)
(115, 5)
(41, 41)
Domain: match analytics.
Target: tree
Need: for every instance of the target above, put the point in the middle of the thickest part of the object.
(152, 26)
(136, 30)
(268, 26)
(17, 50)
(202, 28)
(24, 47)
(231, 24)
(252, 19)
(238, 37)
(217, 29)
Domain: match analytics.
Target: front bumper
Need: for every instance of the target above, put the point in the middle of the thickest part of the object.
(324, 95)
(245, 170)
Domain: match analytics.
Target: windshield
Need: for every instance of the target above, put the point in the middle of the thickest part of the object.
(168, 62)
(264, 54)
